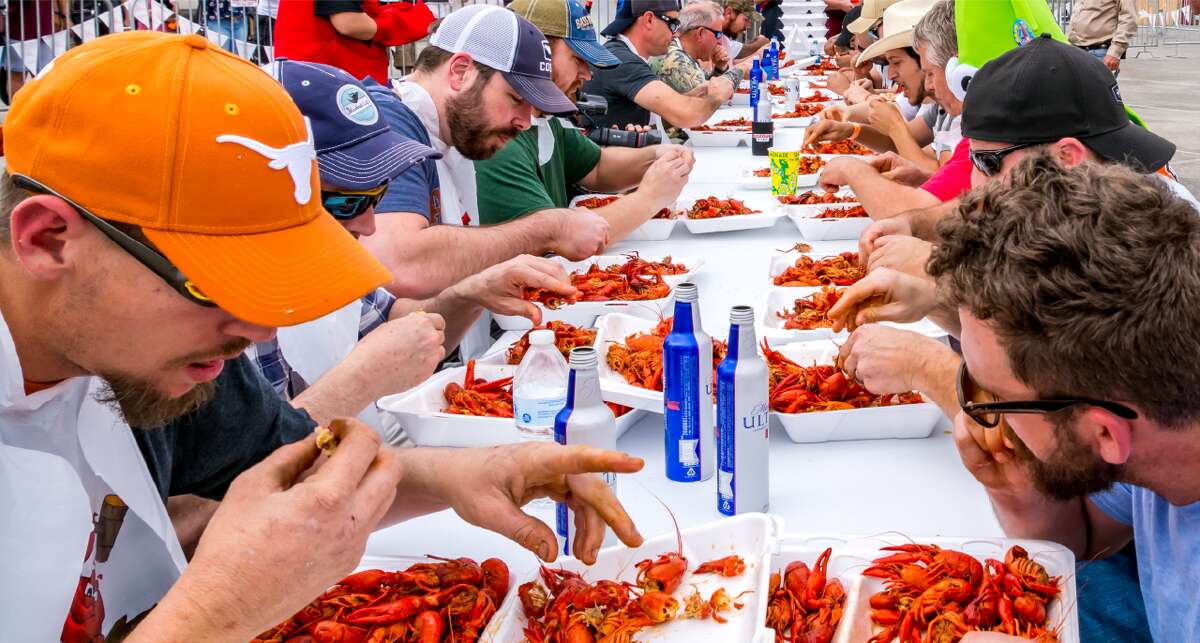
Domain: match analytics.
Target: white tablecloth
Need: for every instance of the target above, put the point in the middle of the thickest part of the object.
(915, 487)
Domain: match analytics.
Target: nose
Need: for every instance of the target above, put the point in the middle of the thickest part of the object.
(253, 332)
(585, 72)
(523, 119)
(363, 225)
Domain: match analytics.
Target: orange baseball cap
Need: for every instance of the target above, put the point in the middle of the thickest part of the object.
(208, 155)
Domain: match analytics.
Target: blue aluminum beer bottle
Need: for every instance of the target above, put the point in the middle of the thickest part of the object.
(585, 419)
(688, 392)
(756, 76)
(774, 51)
(743, 447)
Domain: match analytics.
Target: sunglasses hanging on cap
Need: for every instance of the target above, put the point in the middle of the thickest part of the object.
(147, 256)
(346, 205)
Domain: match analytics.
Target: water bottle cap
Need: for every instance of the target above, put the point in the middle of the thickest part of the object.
(741, 315)
(687, 291)
(583, 358)
(543, 337)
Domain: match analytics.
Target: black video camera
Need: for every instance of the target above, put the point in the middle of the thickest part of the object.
(591, 106)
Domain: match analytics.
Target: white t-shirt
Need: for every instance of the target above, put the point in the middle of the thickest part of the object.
(87, 544)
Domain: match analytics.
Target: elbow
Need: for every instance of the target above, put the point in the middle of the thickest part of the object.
(406, 283)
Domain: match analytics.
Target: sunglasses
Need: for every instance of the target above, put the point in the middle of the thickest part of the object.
(988, 413)
(989, 162)
(346, 205)
(147, 256)
(672, 23)
(715, 32)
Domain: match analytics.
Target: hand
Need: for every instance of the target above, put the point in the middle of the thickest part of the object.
(838, 82)
(500, 287)
(830, 46)
(891, 165)
(641, 129)
(859, 91)
(491, 485)
(988, 454)
(720, 87)
(288, 529)
(900, 253)
(832, 113)
(1112, 62)
(839, 171)
(397, 355)
(884, 295)
(889, 360)
(580, 233)
(664, 180)
(885, 116)
(826, 130)
(683, 151)
(898, 225)
(720, 58)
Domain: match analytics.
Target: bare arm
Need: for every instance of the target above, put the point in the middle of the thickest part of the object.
(354, 24)
(425, 260)
(882, 197)
(752, 47)
(923, 222)
(679, 109)
(910, 142)
(619, 169)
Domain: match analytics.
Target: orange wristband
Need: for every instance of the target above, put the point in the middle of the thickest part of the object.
(856, 132)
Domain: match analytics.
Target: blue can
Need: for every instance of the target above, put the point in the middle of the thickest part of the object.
(688, 392)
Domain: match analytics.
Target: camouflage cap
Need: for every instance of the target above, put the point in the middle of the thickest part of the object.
(743, 6)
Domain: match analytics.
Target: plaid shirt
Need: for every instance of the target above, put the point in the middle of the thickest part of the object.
(269, 359)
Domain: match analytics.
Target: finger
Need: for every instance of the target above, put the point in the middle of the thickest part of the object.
(358, 446)
(377, 491)
(279, 470)
(864, 289)
(589, 532)
(538, 279)
(969, 448)
(850, 363)
(439, 322)
(509, 521)
(590, 490)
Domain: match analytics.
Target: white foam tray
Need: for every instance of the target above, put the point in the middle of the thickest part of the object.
(614, 328)
(850, 553)
(419, 411)
(762, 201)
(875, 423)
(754, 537)
(652, 230)
(814, 229)
(718, 139)
(770, 327)
(747, 180)
(794, 122)
(784, 260)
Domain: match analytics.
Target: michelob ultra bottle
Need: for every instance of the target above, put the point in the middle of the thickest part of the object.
(586, 419)
(688, 392)
(743, 449)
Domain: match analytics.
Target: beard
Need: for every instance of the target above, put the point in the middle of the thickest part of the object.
(1071, 470)
(144, 406)
(469, 130)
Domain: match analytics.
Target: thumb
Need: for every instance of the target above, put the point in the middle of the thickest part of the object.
(525, 530)
(887, 312)
(280, 470)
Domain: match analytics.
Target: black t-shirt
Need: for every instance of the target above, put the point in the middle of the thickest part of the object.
(202, 452)
(330, 7)
(619, 85)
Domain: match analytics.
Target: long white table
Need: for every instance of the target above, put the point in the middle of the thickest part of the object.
(916, 487)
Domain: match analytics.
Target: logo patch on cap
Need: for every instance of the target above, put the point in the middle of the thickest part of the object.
(545, 64)
(1116, 92)
(296, 158)
(583, 23)
(356, 106)
(1022, 33)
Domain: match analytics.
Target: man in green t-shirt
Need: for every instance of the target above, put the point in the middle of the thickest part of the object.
(534, 170)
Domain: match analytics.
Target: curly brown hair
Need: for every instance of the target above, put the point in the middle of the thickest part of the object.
(1090, 276)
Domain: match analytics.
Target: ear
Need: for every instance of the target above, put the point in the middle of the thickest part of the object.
(1070, 152)
(44, 228)
(1111, 435)
(460, 71)
(958, 76)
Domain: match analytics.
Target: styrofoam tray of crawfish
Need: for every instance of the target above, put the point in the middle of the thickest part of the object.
(804, 217)
(784, 260)
(419, 411)
(871, 423)
(613, 329)
(779, 299)
(754, 537)
(853, 554)
(652, 230)
(768, 211)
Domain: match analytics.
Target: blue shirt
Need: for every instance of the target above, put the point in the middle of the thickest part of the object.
(1167, 539)
(416, 190)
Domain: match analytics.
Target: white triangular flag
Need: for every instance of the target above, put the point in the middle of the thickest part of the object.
(86, 30)
(244, 49)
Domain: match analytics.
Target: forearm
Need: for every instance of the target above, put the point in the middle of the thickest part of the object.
(420, 491)
(628, 213)
(923, 221)
(876, 140)
(620, 168)
(884, 198)
(1126, 29)
(190, 515)
(427, 261)
(909, 149)
(936, 375)
(752, 47)
(1036, 516)
(692, 111)
(180, 617)
(459, 312)
(343, 391)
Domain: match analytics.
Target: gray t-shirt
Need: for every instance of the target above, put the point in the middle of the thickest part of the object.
(946, 129)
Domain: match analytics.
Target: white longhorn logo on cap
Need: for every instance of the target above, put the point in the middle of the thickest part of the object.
(296, 158)
(546, 49)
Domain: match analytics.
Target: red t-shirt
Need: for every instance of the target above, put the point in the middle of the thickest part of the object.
(954, 177)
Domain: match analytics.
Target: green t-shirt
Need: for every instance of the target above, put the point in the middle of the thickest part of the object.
(512, 183)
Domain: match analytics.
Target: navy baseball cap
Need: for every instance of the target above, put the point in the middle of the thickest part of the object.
(628, 12)
(569, 20)
(510, 44)
(356, 149)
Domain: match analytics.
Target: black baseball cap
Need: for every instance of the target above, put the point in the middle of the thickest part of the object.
(628, 12)
(845, 36)
(1047, 90)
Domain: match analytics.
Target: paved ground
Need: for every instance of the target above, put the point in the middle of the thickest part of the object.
(1163, 86)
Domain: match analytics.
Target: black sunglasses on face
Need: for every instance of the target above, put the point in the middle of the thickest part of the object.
(990, 162)
(672, 23)
(988, 413)
(347, 205)
(715, 32)
(147, 256)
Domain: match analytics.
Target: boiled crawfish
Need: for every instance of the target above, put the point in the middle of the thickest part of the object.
(812, 198)
(479, 397)
(820, 387)
(712, 207)
(855, 212)
(803, 603)
(841, 270)
(639, 358)
(635, 280)
(566, 337)
(811, 312)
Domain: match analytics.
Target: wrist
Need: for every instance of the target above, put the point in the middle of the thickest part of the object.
(181, 616)
(547, 227)
(937, 364)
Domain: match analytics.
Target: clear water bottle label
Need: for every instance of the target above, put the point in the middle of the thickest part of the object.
(537, 411)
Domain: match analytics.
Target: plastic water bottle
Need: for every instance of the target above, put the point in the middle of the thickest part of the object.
(688, 392)
(814, 51)
(585, 419)
(756, 76)
(743, 446)
(774, 55)
(539, 387)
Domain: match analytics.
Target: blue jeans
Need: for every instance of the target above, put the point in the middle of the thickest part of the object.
(1099, 53)
(1110, 600)
(235, 29)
